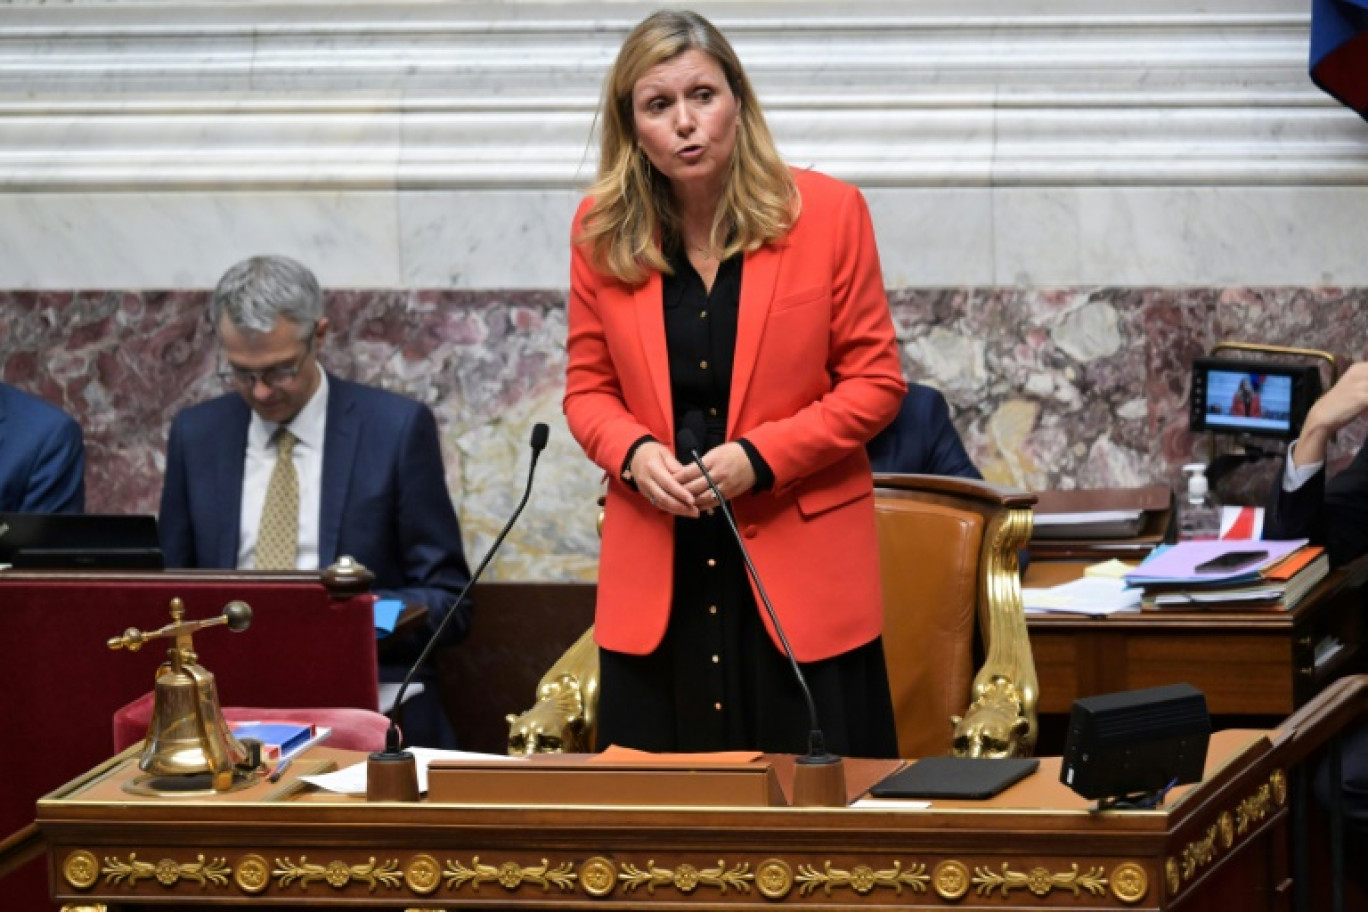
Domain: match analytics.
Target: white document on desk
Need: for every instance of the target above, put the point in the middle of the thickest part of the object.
(890, 804)
(351, 780)
(1086, 595)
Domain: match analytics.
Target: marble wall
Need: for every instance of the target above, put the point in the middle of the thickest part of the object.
(1064, 387)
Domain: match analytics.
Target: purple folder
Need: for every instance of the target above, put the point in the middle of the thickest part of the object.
(1178, 564)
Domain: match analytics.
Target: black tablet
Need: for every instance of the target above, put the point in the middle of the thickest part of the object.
(954, 777)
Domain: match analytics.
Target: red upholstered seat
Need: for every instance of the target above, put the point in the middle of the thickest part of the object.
(352, 729)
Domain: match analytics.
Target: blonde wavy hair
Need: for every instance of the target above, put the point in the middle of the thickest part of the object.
(633, 211)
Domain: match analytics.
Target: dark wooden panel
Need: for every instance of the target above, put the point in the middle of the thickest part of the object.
(1239, 674)
(1056, 664)
(517, 632)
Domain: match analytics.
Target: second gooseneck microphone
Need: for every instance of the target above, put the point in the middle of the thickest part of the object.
(540, 433)
(817, 752)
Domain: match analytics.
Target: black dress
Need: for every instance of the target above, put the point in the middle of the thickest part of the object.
(717, 681)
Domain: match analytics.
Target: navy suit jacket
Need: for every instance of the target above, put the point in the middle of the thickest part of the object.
(921, 440)
(42, 456)
(1332, 513)
(384, 496)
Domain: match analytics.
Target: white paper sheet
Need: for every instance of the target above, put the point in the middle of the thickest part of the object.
(351, 780)
(1086, 595)
(891, 804)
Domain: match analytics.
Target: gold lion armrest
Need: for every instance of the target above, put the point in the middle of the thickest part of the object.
(999, 718)
(565, 717)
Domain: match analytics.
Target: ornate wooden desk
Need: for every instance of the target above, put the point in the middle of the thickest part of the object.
(1037, 846)
(1248, 663)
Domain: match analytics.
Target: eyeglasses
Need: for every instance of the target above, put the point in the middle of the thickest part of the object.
(273, 377)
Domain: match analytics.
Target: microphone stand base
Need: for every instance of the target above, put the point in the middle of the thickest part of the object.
(391, 776)
(819, 781)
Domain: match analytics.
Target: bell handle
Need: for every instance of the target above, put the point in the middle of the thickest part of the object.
(236, 614)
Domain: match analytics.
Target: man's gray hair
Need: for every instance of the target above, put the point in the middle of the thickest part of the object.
(256, 292)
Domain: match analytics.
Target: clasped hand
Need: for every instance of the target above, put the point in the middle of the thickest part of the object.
(680, 488)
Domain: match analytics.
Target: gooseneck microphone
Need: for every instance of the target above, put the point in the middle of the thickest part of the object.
(393, 752)
(827, 787)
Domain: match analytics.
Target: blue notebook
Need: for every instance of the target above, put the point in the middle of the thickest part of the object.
(278, 739)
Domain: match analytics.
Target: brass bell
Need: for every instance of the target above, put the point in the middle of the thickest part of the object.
(189, 747)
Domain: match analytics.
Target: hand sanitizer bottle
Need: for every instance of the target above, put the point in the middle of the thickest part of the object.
(1199, 519)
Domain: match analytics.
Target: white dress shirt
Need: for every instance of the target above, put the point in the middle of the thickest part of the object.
(308, 428)
(1294, 476)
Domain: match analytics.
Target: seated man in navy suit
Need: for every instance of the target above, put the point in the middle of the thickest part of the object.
(1333, 513)
(295, 468)
(42, 456)
(921, 440)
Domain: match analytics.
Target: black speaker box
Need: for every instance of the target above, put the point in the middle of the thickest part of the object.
(1136, 741)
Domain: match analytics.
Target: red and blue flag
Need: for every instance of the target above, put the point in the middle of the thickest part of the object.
(1339, 50)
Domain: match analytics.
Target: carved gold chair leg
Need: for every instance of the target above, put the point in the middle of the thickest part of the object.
(1001, 720)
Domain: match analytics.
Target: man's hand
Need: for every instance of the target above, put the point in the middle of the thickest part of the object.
(731, 471)
(655, 471)
(1346, 400)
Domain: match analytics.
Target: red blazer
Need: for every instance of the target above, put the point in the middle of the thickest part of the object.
(816, 374)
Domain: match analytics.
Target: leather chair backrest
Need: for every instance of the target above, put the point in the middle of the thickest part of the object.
(929, 558)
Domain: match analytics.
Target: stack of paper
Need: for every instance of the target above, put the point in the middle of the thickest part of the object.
(1182, 577)
(1090, 524)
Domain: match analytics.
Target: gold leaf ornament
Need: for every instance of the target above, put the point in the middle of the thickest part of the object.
(338, 874)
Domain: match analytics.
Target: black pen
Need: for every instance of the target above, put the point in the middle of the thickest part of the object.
(280, 769)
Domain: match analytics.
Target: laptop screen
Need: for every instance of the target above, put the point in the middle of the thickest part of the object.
(80, 541)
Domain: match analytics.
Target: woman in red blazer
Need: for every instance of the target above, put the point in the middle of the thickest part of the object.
(715, 289)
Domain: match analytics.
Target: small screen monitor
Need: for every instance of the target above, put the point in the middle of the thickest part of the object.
(1263, 399)
(80, 541)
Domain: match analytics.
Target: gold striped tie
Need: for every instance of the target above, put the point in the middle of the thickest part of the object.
(278, 535)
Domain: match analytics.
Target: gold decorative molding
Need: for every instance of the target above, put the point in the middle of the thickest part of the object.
(85, 907)
(167, 872)
(774, 878)
(686, 878)
(81, 869)
(1226, 831)
(1040, 881)
(1225, 824)
(1254, 808)
(1199, 852)
(337, 874)
(510, 875)
(1278, 780)
(862, 878)
(1129, 882)
(252, 874)
(423, 874)
(599, 876)
(951, 880)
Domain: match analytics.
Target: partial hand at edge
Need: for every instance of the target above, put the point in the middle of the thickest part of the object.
(1346, 400)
